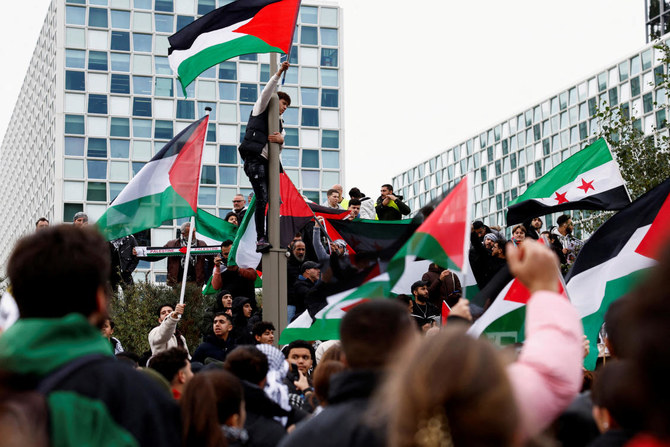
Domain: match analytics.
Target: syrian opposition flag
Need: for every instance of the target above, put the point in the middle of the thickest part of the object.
(165, 188)
(443, 238)
(588, 180)
(325, 325)
(616, 257)
(240, 27)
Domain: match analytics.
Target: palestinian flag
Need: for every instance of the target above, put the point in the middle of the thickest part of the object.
(443, 238)
(374, 238)
(325, 325)
(240, 27)
(212, 229)
(617, 255)
(165, 188)
(588, 180)
(243, 252)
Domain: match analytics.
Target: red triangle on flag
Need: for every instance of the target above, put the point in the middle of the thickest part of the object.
(658, 235)
(351, 306)
(274, 24)
(446, 310)
(185, 171)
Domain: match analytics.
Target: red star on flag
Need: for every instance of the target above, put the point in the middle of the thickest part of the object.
(561, 198)
(586, 186)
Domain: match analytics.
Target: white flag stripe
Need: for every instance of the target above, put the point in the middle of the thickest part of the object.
(604, 177)
(153, 178)
(499, 308)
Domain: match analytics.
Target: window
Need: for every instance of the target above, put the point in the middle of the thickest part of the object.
(245, 112)
(75, 15)
(289, 157)
(228, 154)
(249, 57)
(291, 138)
(75, 58)
(162, 65)
(163, 5)
(330, 139)
(227, 175)
(310, 96)
(70, 209)
(248, 92)
(120, 127)
(648, 102)
(228, 91)
(207, 196)
(329, 98)
(208, 175)
(141, 85)
(182, 21)
(141, 128)
(308, 14)
(96, 191)
(331, 159)
(97, 103)
(120, 84)
(164, 87)
(294, 56)
(211, 132)
(309, 36)
(115, 189)
(329, 77)
(205, 6)
(121, 19)
(142, 106)
(228, 70)
(97, 17)
(310, 159)
(185, 109)
(97, 60)
(310, 117)
(163, 130)
(74, 146)
(329, 36)
(120, 62)
(119, 148)
(74, 124)
(142, 42)
(120, 41)
(329, 57)
(75, 80)
(290, 116)
(163, 23)
(97, 169)
(265, 72)
(97, 147)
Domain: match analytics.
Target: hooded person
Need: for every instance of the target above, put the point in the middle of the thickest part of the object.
(244, 320)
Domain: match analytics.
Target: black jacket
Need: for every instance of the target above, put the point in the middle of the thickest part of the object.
(263, 429)
(301, 289)
(343, 422)
(387, 212)
(292, 274)
(215, 348)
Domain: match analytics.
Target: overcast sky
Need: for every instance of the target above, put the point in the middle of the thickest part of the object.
(420, 77)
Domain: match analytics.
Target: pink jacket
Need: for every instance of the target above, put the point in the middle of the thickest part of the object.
(548, 374)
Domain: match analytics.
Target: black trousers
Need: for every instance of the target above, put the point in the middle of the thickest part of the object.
(256, 168)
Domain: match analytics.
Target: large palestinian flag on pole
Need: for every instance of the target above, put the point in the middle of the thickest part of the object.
(615, 258)
(165, 188)
(240, 27)
(444, 236)
(588, 180)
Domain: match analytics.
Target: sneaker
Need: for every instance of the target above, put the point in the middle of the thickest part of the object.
(263, 246)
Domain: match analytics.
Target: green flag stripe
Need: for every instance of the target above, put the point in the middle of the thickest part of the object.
(588, 158)
(248, 217)
(508, 329)
(190, 68)
(214, 227)
(321, 329)
(422, 245)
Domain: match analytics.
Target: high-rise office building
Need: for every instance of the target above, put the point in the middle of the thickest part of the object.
(506, 158)
(99, 100)
(657, 18)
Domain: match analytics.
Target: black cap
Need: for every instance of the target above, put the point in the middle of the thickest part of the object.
(309, 265)
(418, 284)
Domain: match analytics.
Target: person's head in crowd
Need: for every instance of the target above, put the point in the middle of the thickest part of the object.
(278, 368)
(107, 328)
(498, 250)
(479, 228)
(617, 400)
(325, 346)
(489, 240)
(321, 379)
(340, 190)
(536, 223)
(41, 224)
(24, 416)
(75, 257)
(163, 311)
(231, 217)
(420, 291)
(301, 353)
(248, 363)
(333, 196)
(386, 189)
(238, 202)
(226, 299)
(334, 352)
(297, 237)
(185, 229)
(212, 409)
(225, 252)
(469, 401)
(242, 307)
(310, 270)
(174, 365)
(564, 223)
(222, 325)
(616, 330)
(80, 219)
(250, 196)
(356, 193)
(339, 247)
(264, 332)
(354, 208)
(128, 357)
(298, 250)
(407, 301)
(518, 233)
(284, 102)
(364, 327)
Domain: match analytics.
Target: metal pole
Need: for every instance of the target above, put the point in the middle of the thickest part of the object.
(274, 261)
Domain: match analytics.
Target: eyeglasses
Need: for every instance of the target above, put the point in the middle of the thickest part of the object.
(238, 201)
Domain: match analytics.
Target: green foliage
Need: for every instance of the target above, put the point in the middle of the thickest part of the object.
(135, 313)
(644, 159)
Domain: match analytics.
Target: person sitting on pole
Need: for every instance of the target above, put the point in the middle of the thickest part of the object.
(254, 151)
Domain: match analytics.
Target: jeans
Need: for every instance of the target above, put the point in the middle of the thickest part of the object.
(256, 168)
(290, 313)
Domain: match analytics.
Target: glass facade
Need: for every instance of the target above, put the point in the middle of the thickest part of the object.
(505, 159)
(121, 103)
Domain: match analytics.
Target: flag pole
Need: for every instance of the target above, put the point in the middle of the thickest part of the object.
(187, 260)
